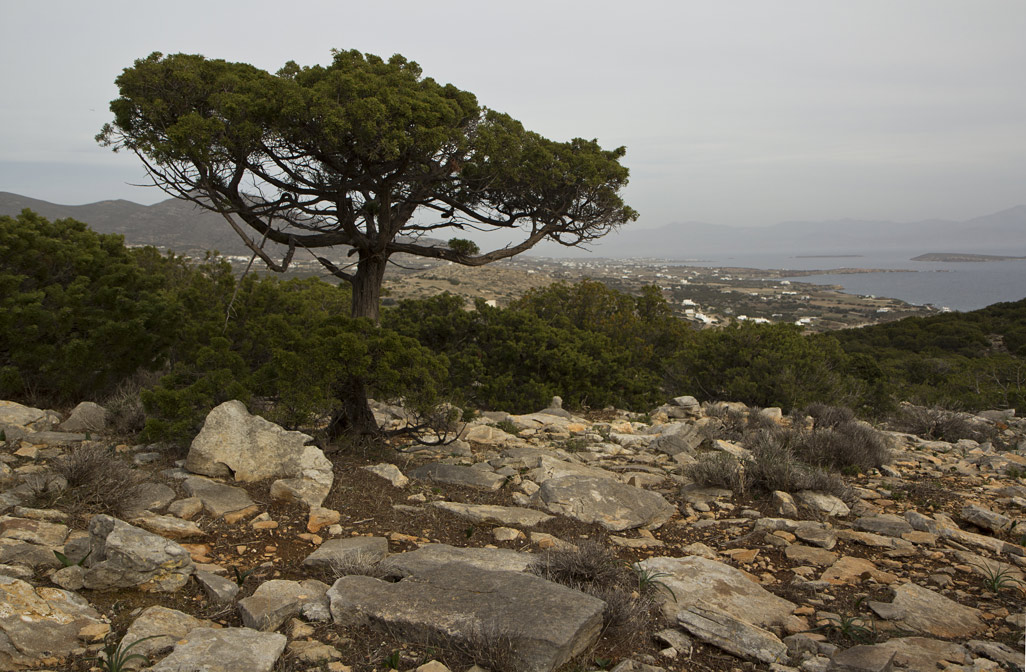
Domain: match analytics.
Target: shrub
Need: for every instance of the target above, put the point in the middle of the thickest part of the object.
(940, 425)
(775, 465)
(845, 446)
(826, 415)
(718, 469)
(97, 481)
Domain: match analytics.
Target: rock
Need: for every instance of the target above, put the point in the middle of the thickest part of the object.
(784, 504)
(486, 435)
(313, 652)
(986, 519)
(501, 515)
(218, 498)
(697, 580)
(458, 475)
(816, 534)
(69, 578)
(390, 473)
(165, 626)
(922, 654)
(824, 503)
(335, 553)
(676, 438)
(734, 635)
(807, 555)
(320, 518)
(548, 624)
(125, 556)
(187, 508)
(38, 532)
(250, 448)
(887, 524)
(151, 496)
(276, 600)
(862, 658)
(218, 589)
(86, 417)
(169, 526)
(33, 419)
(431, 556)
(851, 570)
(922, 610)
(998, 652)
(303, 490)
(613, 505)
(38, 625)
(548, 467)
(224, 650)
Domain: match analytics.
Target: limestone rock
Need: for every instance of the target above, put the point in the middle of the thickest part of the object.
(166, 626)
(502, 515)
(86, 417)
(13, 415)
(547, 623)
(431, 556)
(862, 658)
(730, 633)
(458, 475)
(887, 524)
(390, 473)
(218, 498)
(695, 579)
(218, 589)
(338, 552)
(922, 610)
(613, 505)
(985, 518)
(32, 531)
(125, 556)
(224, 650)
(169, 526)
(40, 624)
(278, 599)
(250, 448)
(824, 503)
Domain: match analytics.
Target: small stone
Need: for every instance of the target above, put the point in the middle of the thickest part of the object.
(390, 473)
(235, 516)
(187, 508)
(217, 588)
(507, 534)
(320, 518)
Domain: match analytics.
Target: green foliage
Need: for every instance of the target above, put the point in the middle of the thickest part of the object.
(115, 656)
(78, 310)
(763, 365)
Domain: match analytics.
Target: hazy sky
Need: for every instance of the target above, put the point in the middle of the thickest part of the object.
(739, 113)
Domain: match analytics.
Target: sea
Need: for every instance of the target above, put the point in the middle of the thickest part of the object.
(960, 286)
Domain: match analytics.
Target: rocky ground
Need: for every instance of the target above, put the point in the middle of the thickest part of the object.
(534, 542)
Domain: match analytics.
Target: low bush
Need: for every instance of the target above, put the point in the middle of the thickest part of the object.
(96, 481)
(718, 470)
(940, 425)
(848, 446)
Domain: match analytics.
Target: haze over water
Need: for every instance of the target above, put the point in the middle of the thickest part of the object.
(959, 286)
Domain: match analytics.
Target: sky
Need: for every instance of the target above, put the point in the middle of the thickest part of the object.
(742, 113)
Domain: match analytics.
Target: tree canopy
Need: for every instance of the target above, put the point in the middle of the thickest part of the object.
(364, 153)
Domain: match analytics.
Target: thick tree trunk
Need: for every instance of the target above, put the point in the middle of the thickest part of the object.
(354, 417)
(370, 273)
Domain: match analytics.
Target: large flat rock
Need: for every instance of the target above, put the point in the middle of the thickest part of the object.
(613, 505)
(224, 650)
(126, 556)
(501, 515)
(218, 498)
(922, 610)
(455, 474)
(40, 624)
(432, 556)
(695, 580)
(734, 635)
(548, 624)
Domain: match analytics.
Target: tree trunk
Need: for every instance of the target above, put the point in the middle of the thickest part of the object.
(370, 273)
(355, 417)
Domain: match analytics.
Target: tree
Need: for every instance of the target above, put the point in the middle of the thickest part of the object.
(363, 153)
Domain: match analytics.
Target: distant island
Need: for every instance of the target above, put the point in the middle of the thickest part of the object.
(961, 256)
(825, 256)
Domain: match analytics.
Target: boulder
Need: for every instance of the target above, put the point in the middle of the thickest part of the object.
(14, 415)
(613, 505)
(86, 417)
(922, 610)
(125, 556)
(276, 600)
(224, 650)
(824, 503)
(165, 626)
(249, 448)
(218, 498)
(39, 625)
(547, 624)
(695, 580)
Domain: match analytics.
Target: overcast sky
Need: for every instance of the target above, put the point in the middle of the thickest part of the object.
(737, 113)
